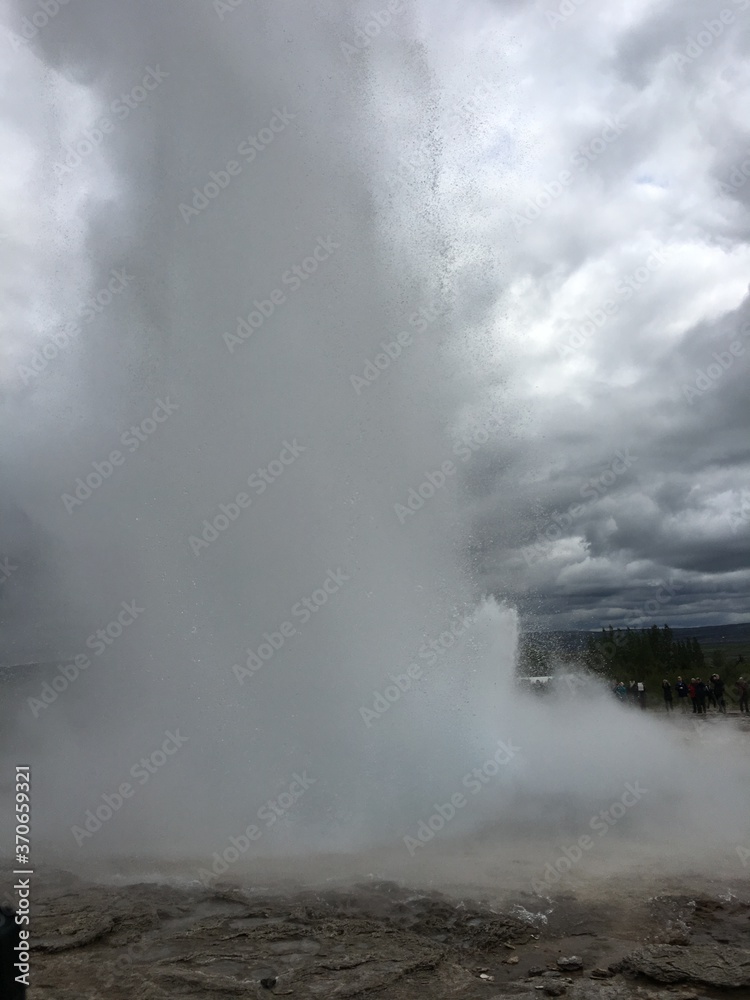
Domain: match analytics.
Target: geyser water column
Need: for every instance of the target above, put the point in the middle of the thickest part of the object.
(245, 491)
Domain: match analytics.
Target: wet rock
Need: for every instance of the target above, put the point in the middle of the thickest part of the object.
(600, 974)
(570, 964)
(709, 966)
(536, 970)
(554, 989)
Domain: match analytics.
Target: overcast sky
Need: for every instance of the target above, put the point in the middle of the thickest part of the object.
(615, 291)
(593, 163)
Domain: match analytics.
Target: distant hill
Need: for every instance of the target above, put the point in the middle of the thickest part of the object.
(713, 636)
(709, 636)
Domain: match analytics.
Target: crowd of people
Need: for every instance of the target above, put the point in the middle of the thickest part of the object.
(699, 694)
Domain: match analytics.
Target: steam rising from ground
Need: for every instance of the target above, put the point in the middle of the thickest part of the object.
(329, 514)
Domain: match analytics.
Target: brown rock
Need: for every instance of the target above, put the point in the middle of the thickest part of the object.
(710, 966)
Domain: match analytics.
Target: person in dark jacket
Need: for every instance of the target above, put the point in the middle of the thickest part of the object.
(682, 693)
(700, 696)
(719, 693)
(742, 691)
(710, 696)
(692, 693)
(667, 690)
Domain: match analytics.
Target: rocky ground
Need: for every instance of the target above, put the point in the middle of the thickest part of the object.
(159, 942)
(640, 919)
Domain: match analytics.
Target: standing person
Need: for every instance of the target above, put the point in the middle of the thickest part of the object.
(641, 694)
(710, 696)
(691, 693)
(700, 696)
(667, 691)
(621, 691)
(719, 693)
(742, 691)
(682, 693)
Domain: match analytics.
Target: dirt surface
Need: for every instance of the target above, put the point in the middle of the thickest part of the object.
(157, 942)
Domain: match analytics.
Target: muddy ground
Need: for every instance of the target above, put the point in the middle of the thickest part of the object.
(153, 942)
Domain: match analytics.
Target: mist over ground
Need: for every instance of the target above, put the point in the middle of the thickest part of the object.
(251, 490)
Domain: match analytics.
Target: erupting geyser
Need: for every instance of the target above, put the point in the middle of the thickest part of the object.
(245, 471)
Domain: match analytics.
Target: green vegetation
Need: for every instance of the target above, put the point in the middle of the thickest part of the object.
(647, 655)
(731, 652)
(650, 655)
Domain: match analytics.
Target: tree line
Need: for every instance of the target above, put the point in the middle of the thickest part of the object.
(632, 654)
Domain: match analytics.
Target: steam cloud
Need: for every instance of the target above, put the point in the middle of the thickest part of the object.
(229, 366)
